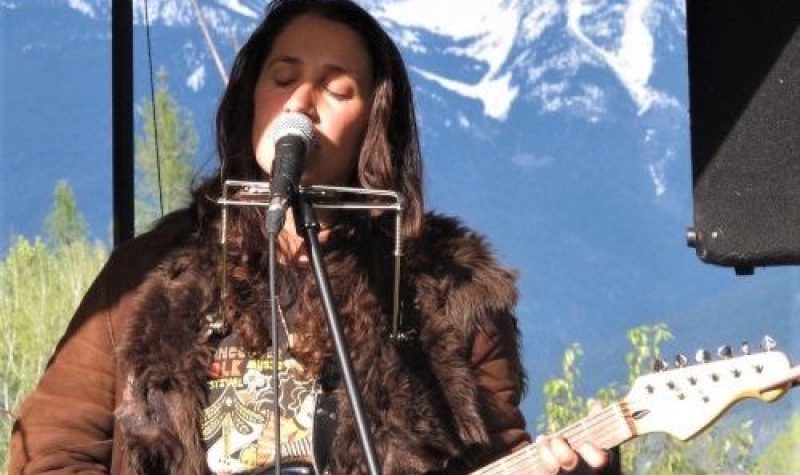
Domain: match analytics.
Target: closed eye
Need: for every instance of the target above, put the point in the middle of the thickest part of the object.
(339, 95)
(282, 82)
(283, 71)
(340, 87)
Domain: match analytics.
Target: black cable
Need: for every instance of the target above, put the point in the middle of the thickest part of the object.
(153, 104)
(276, 385)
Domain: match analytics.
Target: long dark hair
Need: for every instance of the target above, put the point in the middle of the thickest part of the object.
(389, 159)
(390, 155)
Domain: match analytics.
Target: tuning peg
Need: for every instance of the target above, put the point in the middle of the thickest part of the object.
(702, 356)
(745, 348)
(681, 360)
(659, 365)
(725, 352)
(768, 343)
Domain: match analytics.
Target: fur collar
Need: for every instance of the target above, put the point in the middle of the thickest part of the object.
(421, 400)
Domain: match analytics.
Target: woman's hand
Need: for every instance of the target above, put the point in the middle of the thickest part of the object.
(556, 454)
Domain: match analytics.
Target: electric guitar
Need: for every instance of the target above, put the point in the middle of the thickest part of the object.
(701, 393)
(681, 402)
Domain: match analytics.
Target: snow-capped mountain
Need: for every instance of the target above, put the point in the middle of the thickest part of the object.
(499, 42)
(559, 128)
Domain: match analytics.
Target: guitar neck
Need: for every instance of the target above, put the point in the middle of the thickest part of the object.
(655, 400)
(607, 429)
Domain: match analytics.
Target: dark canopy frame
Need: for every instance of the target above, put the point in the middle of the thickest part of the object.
(122, 119)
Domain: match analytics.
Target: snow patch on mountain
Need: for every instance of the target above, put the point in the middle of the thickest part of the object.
(238, 7)
(485, 32)
(496, 94)
(538, 18)
(197, 78)
(536, 50)
(632, 57)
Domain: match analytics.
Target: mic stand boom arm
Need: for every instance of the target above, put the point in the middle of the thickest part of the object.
(306, 222)
(257, 194)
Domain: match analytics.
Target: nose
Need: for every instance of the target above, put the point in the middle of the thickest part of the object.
(303, 100)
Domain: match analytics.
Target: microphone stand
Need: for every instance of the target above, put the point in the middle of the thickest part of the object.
(305, 220)
(255, 193)
(276, 405)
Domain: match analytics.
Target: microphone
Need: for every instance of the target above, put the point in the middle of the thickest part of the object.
(293, 135)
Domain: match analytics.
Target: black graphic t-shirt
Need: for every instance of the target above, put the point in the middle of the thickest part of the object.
(237, 424)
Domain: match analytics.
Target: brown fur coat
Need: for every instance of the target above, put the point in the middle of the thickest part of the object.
(426, 404)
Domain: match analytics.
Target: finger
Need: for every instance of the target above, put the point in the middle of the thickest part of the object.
(594, 457)
(566, 456)
(546, 456)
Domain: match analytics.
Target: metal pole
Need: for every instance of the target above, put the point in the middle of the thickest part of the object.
(122, 118)
(305, 220)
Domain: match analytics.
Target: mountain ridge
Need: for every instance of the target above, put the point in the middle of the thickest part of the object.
(578, 188)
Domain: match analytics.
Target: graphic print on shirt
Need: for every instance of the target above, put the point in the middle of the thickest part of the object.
(237, 425)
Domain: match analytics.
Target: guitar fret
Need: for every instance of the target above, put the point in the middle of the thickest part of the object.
(611, 426)
(607, 429)
(502, 465)
(627, 422)
(649, 406)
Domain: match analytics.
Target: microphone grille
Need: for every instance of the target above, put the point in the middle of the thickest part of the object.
(293, 124)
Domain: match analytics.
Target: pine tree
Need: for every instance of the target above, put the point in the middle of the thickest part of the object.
(65, 223)
(781, 456)
(177, 147)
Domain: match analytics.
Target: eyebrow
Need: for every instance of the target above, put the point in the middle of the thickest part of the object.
(283, 59)
(294, 60)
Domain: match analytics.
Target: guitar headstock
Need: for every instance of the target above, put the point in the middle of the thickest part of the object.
(685, 400)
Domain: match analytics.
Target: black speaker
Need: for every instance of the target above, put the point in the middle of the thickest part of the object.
(744, 95)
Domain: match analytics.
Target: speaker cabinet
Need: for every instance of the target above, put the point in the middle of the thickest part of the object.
(744, 94)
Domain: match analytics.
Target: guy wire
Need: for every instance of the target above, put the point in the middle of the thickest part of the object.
(153, 107)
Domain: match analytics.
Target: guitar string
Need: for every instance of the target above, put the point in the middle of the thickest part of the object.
(577, 433)
(530, 455)
(525, 461)
(631, 402)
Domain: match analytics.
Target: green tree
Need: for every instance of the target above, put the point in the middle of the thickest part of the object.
(721, 449)
(40, 287)
(163, 180)
(562, 402)
(65, 223)
(781, 457)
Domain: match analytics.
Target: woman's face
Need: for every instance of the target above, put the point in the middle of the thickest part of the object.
(320, 68)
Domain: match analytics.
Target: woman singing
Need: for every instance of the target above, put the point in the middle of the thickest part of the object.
(166, 366)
